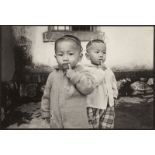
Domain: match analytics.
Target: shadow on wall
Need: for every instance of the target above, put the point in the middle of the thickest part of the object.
(7, 53)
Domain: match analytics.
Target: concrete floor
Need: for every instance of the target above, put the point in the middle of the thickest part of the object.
(131, 113)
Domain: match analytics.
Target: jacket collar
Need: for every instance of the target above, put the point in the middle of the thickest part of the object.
(104, 67)
(59, 68)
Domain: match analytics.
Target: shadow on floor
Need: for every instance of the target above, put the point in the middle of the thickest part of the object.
(131, 113)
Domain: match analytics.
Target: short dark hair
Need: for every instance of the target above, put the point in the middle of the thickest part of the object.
(69, 37)
(94, 41)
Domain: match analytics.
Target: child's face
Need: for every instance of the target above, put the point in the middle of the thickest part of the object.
(96, 53)
(68, 52)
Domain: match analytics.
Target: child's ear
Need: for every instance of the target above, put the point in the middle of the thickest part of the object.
(55, 56)
(87, 56)
(81, 55)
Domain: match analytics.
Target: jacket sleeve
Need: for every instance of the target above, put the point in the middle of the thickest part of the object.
(98, 75)
(114, 86)
(45, 102)
(83, 81)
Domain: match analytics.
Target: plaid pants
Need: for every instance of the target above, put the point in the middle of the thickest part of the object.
(101, 119)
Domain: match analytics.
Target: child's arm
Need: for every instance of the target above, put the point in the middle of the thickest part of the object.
(45, 103)
(83, 81)
(98, 75)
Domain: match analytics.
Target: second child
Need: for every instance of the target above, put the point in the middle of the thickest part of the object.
(100, 103)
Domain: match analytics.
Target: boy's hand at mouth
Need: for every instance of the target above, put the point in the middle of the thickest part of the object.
(72, 75)
(65, 66)
(102, 65)
(69, 71)
(69, 66)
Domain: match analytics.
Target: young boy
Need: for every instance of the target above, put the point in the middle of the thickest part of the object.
(100, 103)
(64, 100)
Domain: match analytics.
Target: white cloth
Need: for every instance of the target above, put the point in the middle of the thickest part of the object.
(106, 88)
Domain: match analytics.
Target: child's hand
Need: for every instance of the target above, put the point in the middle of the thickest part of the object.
(69, 71)
(102, 65)
(69, 66)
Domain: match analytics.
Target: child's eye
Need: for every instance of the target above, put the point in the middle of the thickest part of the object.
(71, 53)
(60, 54)
(104, 52)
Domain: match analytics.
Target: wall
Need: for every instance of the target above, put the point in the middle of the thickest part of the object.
(7, 55)
(127, 47)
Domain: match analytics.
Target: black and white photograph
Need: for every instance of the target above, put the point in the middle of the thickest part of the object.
(77, 77)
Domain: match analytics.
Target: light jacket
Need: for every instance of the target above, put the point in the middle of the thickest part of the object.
(64, 98)
(106, 89)
(111, 85)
